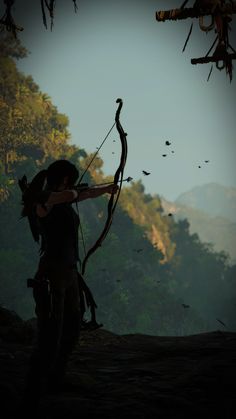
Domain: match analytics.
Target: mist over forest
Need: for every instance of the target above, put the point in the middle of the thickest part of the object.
(152, 275)
(210, 210)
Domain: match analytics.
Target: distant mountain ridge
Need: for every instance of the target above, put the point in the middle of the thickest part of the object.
(211, 212)
(212, 198)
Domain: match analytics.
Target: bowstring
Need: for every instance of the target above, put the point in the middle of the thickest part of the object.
(82, 237)
(80, 179)
(95, 154)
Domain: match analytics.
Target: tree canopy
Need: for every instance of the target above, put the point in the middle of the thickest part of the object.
(149, 264)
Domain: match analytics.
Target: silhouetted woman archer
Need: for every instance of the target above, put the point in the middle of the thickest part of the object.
(47, 202)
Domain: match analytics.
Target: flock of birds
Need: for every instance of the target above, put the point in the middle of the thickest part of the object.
(167, 143)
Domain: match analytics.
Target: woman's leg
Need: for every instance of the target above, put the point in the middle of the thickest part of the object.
(69, 326)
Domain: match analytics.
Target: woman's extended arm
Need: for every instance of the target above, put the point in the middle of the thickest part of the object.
(94, 192)
(72, 195)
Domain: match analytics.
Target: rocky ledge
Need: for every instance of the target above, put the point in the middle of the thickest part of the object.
(128, 376)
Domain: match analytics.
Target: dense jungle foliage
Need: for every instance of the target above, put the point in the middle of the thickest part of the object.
(148, 266)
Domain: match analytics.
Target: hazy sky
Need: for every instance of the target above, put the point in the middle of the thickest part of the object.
(112, 49)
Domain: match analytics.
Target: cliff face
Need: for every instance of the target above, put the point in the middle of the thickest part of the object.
(129, 376)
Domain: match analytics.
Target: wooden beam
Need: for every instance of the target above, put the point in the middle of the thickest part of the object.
(193, 12)
(212, 59)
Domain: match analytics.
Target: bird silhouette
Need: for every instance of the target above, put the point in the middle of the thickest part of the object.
(164, 155)
(145, 173)
(168, 143)
(207, 161)
(185, 305)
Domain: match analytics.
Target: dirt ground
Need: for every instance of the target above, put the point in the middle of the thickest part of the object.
(129, 376)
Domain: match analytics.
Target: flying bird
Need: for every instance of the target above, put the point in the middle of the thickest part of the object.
(145, 173)
(220, 321)
(164, 155)
(185, 305)
(170, 214)
(207, 161)
(138, 250)
(168, 143)
(199, 167)
(172, 151)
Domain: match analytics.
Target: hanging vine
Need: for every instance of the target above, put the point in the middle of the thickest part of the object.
(47, 7)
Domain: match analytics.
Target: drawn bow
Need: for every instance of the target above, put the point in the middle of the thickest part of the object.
(118, 178)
